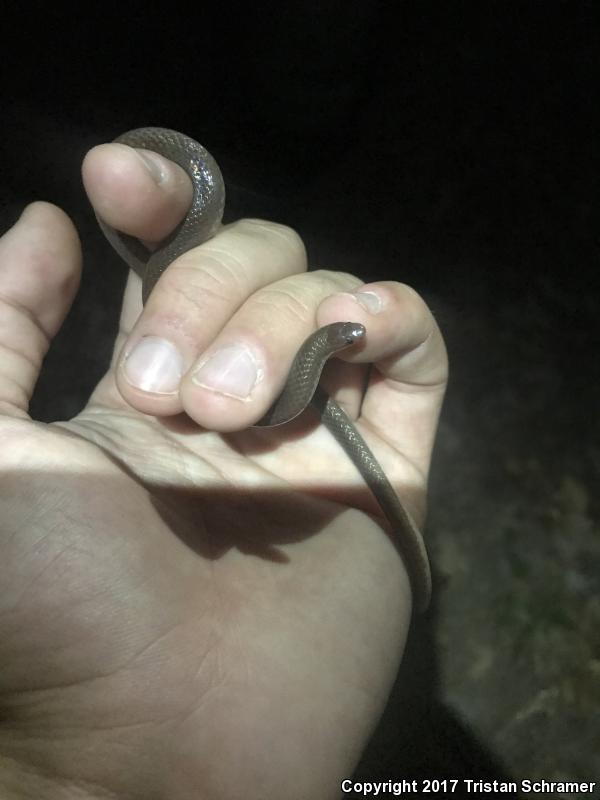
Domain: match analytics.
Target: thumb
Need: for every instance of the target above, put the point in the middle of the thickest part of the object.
(40, 267)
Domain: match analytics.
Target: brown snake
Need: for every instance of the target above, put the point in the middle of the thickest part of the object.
(302, 386)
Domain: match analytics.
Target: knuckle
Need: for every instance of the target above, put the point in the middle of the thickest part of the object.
(283, 303)
(194, 286)
(337, 279)
(219, 265)
(275, 233)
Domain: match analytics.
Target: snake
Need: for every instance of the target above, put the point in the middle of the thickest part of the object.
(302, 387)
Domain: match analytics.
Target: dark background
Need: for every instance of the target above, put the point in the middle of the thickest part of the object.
(452, 149)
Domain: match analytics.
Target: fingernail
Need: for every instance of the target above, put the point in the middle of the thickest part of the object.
(231, 371)
(153, 165)
(154, 365)
(370, 301)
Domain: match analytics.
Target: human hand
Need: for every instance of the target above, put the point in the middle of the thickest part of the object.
(188, 605)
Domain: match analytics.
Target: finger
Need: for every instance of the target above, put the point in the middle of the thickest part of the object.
(136, 191)
(237, 378)
(406, 389)
(40, 268)
(140, 193)
(193, 301)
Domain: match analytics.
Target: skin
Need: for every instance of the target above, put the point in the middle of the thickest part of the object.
(187, 606)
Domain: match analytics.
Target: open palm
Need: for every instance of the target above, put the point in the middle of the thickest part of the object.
(189, 607)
